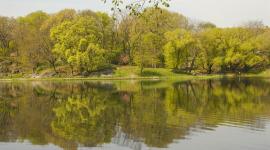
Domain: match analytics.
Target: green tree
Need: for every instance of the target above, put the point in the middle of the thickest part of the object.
(47, 43)
(156, 21)
(241, 50)
(7, 44)
(78, 43)
(263, 45)
(211, 41)
(145, 54)
(177, 49)
(30, 40)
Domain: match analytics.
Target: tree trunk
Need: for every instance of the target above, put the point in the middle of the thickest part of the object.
(192, 64)
(54, 68)
(209, 70)
(71, 67)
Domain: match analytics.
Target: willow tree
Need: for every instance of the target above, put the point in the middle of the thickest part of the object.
(176, 50)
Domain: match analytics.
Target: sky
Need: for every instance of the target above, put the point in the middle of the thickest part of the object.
(223, 13)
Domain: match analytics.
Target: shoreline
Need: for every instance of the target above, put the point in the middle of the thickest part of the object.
(130, 73)
(164, 78)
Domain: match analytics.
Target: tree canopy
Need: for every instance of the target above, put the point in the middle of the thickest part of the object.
(82, 42)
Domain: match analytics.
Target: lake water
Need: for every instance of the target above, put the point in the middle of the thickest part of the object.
(221, 114)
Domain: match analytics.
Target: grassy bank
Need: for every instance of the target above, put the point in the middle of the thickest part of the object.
(265, 73)
(155, 73)
(133, 73)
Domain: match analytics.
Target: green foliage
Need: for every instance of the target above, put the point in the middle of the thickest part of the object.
(30, 41)
(78, 43)
(176, 51)
(232, 49)
(7, 44)
(147, 35)
(88, 41)
(145, 52)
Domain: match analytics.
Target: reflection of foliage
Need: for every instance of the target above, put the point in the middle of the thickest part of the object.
(221, 101)
(77, 119)
(68, 114)
(89, 121)
(149, 120)
(8, 111)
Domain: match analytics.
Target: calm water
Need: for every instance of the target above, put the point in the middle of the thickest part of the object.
(191, 115)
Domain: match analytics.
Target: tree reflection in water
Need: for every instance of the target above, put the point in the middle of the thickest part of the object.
(154, 113)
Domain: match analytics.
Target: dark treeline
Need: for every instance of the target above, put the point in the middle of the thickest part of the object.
(81, 42)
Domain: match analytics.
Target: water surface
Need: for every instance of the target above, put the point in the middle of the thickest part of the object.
(207, 114)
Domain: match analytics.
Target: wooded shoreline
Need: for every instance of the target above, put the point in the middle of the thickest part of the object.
(78, 43)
